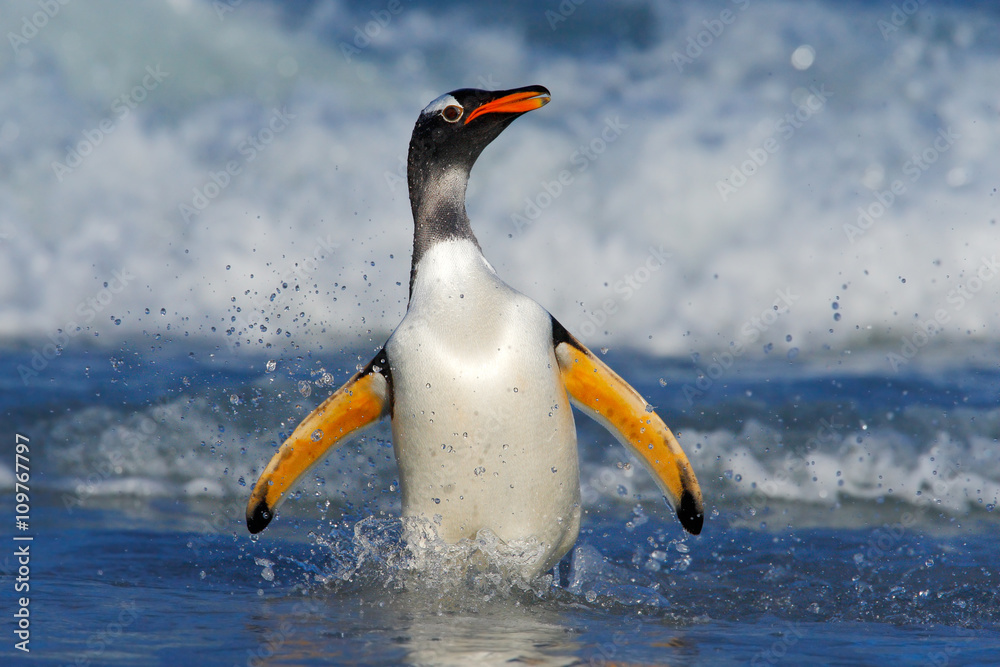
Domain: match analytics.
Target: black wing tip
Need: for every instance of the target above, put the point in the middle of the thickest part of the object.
(561, 334)
(691, 513)
(258, 517)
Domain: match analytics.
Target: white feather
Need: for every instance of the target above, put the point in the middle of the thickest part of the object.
(482, 426)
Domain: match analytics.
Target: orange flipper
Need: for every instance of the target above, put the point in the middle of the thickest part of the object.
(604, 396)
(360, 402)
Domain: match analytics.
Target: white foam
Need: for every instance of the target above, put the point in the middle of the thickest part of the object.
(328, 177)
(937, 470)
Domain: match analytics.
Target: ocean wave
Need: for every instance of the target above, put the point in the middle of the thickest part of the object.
(793, 177)
(184, 447)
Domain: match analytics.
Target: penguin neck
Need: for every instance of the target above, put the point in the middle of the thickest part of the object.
(437, 198)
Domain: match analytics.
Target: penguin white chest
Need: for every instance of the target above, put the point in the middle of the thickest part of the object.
(482, 427)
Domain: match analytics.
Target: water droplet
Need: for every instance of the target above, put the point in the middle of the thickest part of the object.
(305, 388)
(242, 481)
(590, 595)
(437, 501)
(428, 385)
(317, 434)
(234, 399)
(836, 317)
(271, 365)
(663, 383)
(163, 311)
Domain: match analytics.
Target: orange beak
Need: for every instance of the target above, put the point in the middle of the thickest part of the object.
(520, 102)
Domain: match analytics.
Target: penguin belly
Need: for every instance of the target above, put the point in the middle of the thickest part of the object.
(482, 427)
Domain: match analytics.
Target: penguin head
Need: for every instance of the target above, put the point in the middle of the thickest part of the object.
(454, 129)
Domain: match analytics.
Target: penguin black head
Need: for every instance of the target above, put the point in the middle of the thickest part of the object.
(454, 129)
(447, 139)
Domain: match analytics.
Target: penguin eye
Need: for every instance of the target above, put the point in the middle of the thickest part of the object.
(452, 113)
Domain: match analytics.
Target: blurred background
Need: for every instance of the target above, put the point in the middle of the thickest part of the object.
(777, 178)
(776, 219)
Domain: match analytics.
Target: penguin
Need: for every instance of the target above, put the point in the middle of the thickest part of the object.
(478, 379)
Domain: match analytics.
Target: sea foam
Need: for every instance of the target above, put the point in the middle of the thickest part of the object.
(799, 152)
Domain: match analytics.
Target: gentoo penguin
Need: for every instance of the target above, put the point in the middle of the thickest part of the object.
(478, 378)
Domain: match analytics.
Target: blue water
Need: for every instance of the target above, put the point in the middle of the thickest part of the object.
(128, 572)
(820, 327)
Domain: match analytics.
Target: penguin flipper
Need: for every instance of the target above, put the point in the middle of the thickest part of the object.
(361, 401)
(599, 392)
